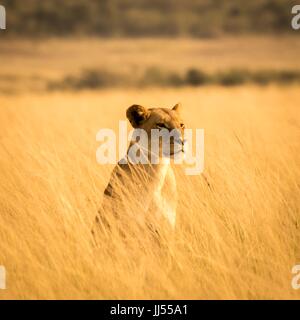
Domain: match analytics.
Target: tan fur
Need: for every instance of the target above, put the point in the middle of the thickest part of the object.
(144, 193)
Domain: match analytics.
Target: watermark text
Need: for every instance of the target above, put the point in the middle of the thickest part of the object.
(296, 19)
(153, 147)
(2, 18)
(2, 278)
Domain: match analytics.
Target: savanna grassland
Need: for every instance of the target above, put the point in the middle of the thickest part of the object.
(238, 227)
(32, 64)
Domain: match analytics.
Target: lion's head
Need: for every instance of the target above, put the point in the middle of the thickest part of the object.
(169, 133)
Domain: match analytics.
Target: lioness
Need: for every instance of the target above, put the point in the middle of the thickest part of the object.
(144, 193)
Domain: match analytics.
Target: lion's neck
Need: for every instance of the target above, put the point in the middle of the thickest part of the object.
(155, 172)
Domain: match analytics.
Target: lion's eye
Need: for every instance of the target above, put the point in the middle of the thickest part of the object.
(182, 125)
(161, 126)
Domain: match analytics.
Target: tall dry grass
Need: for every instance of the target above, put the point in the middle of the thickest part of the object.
(237, 232)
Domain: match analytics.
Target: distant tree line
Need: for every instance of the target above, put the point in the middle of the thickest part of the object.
(155, 77)
(134, 18)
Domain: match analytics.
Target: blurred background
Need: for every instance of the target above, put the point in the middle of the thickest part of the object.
(77, 44)
(139, 18)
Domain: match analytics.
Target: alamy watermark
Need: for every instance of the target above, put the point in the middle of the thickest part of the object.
(296, 279)
(2, 18)
(2, 278)
(296, 19)
(157, 146)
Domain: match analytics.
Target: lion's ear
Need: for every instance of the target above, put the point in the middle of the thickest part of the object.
(137, 115)
(177, 107)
